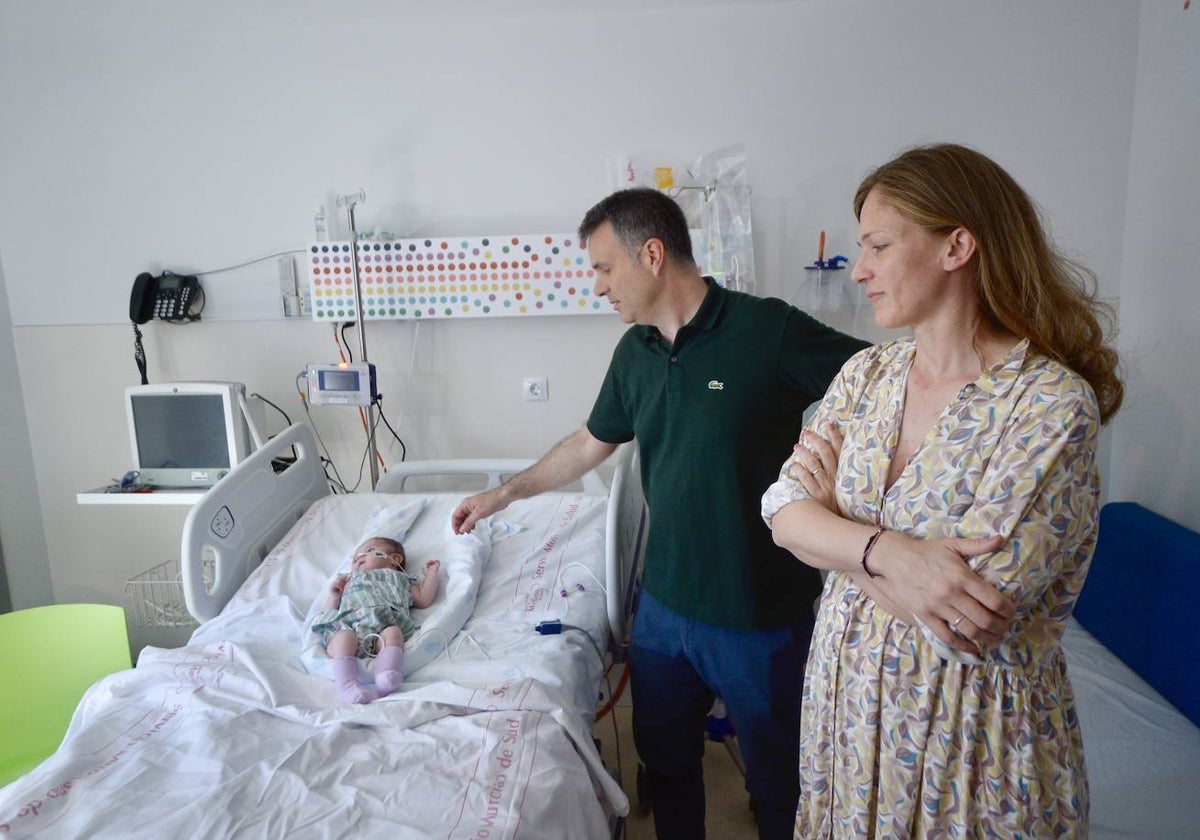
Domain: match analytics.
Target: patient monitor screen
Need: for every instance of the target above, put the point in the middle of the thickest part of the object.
(180, 431)
(338, 380)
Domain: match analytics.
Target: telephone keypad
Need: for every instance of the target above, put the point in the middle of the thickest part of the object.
(171, 304)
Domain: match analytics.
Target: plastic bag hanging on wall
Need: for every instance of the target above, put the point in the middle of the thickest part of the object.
(725, 218)
(653, 169)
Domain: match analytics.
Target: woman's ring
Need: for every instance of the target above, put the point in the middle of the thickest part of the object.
(954, 623)
(818, 471)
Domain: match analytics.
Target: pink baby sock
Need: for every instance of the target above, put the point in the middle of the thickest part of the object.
(387, 669)
(345, 676)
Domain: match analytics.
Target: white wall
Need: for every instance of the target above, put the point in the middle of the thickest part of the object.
(1156, 443)
(22, 583)
(197, 135)
(146, 135)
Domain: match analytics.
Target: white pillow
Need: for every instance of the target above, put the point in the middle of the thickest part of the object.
(464, 557)
(392, 521)
(321, 543)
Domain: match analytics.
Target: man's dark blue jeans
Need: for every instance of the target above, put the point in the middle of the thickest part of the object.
(677, 667)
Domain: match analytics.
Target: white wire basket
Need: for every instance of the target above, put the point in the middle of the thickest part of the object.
(157, 596)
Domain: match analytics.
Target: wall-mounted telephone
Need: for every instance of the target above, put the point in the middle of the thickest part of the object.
(168, 296)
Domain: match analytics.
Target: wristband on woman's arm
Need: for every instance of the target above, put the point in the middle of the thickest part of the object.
(867, 552)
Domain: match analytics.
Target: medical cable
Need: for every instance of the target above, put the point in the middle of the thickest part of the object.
(525, 634)
(565, 590)
(362, 415)
(362, 462)
(379, 399)
(403, 448)
(412, 363)
(588, 572)
(287, 419)
(346, 344)
(614, 696)
(278, 461)
(250, 262)
(616, 732)
(336, 482)
(325, 459)
(450, 646)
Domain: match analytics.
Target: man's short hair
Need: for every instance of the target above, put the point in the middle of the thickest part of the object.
(638, 214)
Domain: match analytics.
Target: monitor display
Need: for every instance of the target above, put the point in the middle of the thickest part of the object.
(180, 431)
(338, 380)
(187, 434)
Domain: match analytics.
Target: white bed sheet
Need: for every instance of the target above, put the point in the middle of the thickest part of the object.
(231, 736)
(1142, 754)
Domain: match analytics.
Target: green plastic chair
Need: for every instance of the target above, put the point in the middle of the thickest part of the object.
(49, 656)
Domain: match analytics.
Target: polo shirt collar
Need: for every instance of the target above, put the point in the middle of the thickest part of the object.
(704, 319)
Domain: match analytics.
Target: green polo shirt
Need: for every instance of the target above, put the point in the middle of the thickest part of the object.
(715, 416)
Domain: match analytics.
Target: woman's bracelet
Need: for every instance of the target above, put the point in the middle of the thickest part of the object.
(867, 552)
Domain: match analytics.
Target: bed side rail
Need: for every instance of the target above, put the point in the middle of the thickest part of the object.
(494, 471)
(625, 541)
(241, 518)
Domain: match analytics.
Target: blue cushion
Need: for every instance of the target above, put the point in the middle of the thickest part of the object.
(1141, 600)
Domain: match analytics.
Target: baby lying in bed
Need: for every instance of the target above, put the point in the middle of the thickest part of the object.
(369, 612)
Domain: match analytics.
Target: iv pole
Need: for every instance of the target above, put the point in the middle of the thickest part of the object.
(349, 201)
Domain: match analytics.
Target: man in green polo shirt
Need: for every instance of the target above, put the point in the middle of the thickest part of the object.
(713, 385)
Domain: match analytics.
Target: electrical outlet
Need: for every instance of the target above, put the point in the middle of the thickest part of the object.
(535, 388)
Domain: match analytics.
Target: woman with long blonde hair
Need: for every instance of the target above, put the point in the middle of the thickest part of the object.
(948, 484)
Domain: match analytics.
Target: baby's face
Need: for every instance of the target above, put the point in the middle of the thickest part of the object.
(376, 554)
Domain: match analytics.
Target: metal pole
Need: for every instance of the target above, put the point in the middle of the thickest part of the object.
(372, 448)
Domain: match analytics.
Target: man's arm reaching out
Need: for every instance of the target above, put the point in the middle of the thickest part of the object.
(568, 460)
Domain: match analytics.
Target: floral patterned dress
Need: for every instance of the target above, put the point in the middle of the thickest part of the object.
(895, 741)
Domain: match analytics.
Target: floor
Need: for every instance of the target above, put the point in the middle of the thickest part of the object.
(728, 814)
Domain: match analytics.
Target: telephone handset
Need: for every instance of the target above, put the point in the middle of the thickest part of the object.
(168, 296)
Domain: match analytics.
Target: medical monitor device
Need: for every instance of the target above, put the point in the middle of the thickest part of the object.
(347, 383)
(188, 434)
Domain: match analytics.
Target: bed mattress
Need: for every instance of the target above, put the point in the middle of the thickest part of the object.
(1142, 754)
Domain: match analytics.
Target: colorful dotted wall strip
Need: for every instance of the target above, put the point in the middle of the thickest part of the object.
(455, 277)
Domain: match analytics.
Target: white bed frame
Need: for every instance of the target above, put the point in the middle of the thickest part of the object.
(242, 517)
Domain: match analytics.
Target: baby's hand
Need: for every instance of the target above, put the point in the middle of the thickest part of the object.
(432, 566)
(339, 585)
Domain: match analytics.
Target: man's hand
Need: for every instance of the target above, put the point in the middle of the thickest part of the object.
(474, 508)
(567, 461)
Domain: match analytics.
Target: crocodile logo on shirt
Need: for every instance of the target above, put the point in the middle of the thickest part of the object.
(716, 385)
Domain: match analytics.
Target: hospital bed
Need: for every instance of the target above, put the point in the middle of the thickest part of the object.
(240, 733)
(1132, 648)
